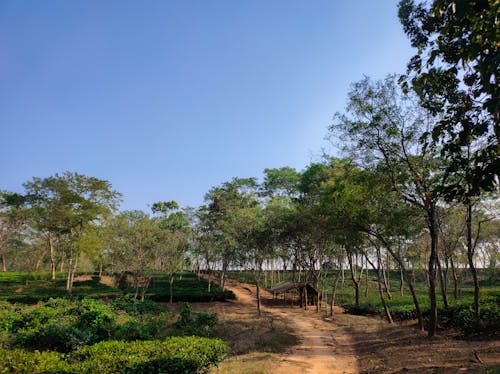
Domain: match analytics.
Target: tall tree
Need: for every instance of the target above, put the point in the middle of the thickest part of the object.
(13, 220)
(382, 125)
(64, 205)
(175, 231)
(456, 75)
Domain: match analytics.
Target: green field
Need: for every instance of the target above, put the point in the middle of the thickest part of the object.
(99, 328)
(28, 288)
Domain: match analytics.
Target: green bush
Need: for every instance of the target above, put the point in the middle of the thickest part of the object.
(463, 317)
(362, 309)
(132, 306)
(22, 362)
(173, 355)
(195, 323)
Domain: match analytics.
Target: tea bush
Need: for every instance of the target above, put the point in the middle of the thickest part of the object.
(195, 323)
(172, 355)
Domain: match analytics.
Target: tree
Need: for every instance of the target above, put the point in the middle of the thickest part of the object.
(383, 125)
(64, 206)
(175, 232)
(455, 74)
(223, 203)
(13, 220)
(134, 247)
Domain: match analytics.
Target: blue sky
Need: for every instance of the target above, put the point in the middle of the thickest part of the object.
(166, 99)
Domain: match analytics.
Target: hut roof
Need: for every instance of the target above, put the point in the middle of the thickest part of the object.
(286, 286)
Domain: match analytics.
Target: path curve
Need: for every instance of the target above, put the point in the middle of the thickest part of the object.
(321, 349)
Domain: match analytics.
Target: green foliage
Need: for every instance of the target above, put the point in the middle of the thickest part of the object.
(462, 316)
(64, 325)
(195, 323)
(22, 362)
(173, 355)
(189, 289)
(31, 288)
(135, 307)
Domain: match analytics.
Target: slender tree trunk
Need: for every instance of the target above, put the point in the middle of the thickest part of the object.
(209, 280)
(334, 291)
(257, 286)
(355, 281)
(145, 287)
(387, 285)
(455, 278)
(39, 260)
(366, 280)
(69, 275)
(441, 283)
(4, 263)
(100, 267)
(52, 260)
(470, 258)
(433, 229)
(379, 282)
(171, 288)
(410, 278)
(136, 285)
(305, 296)
(401, 282)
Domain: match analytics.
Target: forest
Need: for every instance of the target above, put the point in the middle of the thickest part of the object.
(408, 213)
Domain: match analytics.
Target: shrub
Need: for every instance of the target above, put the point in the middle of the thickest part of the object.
(195, 323)
(173, 355)
(463, 317)
(21, 362)
(133, 306)
(362, 309)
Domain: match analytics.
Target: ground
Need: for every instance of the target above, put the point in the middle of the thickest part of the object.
(287, 339)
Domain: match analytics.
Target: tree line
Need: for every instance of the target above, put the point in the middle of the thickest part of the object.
(416, 188)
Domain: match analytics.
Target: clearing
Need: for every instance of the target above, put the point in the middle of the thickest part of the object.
(289, 340)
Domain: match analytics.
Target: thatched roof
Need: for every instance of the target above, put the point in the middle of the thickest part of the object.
(291, 286)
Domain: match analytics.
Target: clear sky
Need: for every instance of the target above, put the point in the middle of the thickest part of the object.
(166, 99)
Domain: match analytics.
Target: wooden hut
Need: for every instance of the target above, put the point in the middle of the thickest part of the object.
(295, 291)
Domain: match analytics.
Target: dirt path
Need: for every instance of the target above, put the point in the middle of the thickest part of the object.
(321, 348)
(318, 348)
(348, 344)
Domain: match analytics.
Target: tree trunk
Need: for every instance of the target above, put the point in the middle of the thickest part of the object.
(410, 278)
(334, 291)
(470, 258)
(257, 286)
(4, 263)
(100, 267)
(455, 278)
(69, 275)
(145, 287)
(387, 285)
(433, 230)
(209, 280)
(401, 282)
(441, 283)
(366, 280)
(39, 260)
(52, 260)
(171, 288)
(353, 277)
(379, 282)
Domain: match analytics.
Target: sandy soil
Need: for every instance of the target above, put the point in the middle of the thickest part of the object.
(346, 344)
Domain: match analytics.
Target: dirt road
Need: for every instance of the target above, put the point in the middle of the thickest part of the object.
(347, 344)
